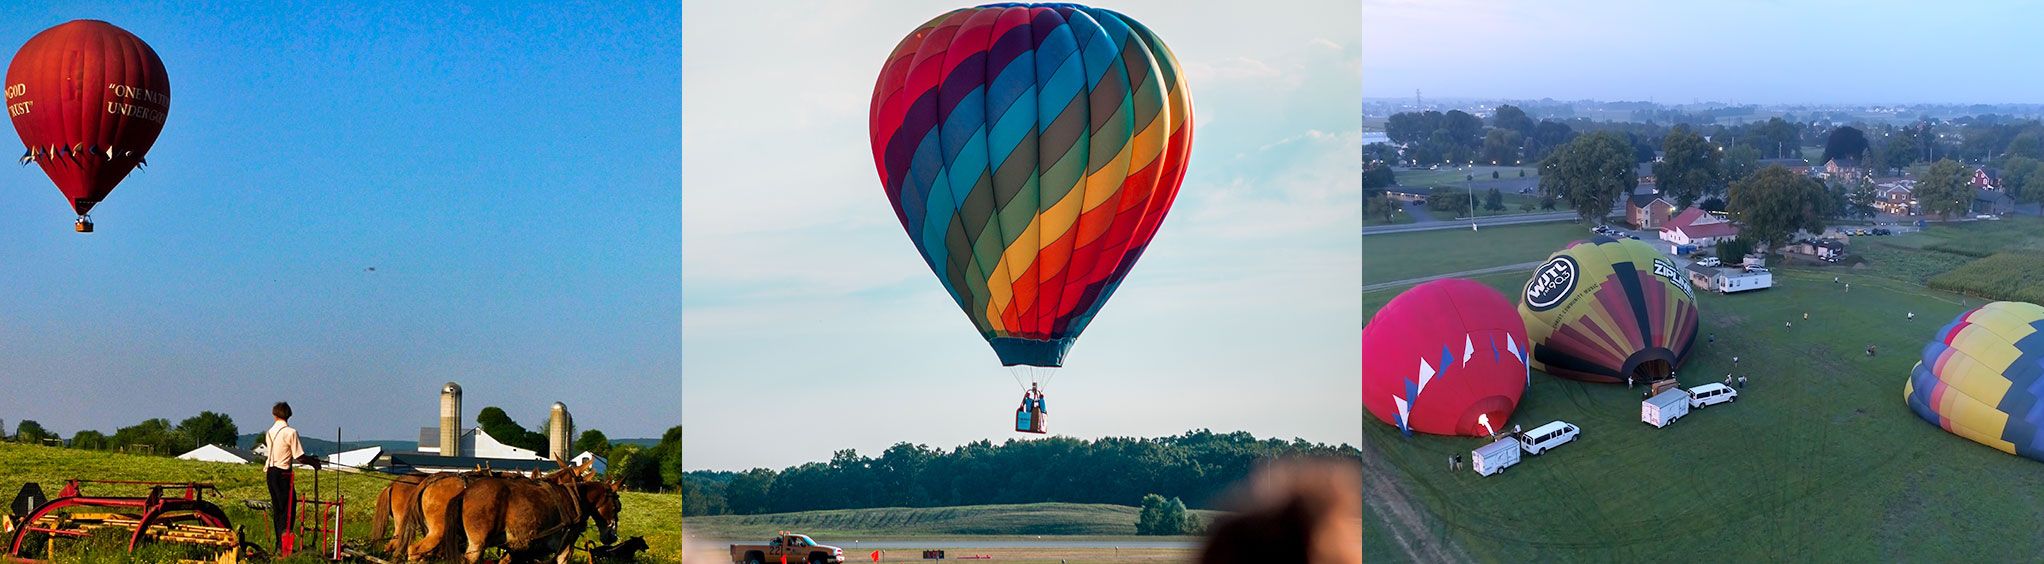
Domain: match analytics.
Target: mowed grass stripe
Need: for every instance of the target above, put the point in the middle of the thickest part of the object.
(1400, 256)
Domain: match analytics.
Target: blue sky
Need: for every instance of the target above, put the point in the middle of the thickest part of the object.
(510, 172)
(1751, 51)
(811, 325)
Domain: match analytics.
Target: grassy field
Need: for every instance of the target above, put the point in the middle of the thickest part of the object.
(654, 516)
(1399, 256)
(1818, 460)
(1014, 521)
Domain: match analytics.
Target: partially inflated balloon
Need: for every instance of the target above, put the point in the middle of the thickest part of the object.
(1031, 152)
(88, 100)
(1606, 309)
(1446, 357)
(1980, 378)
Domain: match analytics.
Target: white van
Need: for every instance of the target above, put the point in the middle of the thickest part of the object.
(1546, 437)
(1495, 457)
(1711, 394)
(1709, 262)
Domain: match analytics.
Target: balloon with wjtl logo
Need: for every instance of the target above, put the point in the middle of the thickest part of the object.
(1030, 151)
(88, 100)
(1609, 310)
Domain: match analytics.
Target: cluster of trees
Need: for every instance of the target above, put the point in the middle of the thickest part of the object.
(1196, 465)
(156, 436)
(1456, 136)
(1166, 517)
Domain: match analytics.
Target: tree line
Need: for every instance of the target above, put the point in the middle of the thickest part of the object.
(152, 436)
(1197, 466)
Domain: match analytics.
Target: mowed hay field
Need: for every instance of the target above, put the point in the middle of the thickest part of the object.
(1818, 460)
(1400, 256)
(654, 516)
(1066, 520)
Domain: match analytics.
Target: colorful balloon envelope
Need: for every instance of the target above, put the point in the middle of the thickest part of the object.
(1446, 357)
(1979, 378)
(1031, 152)
(88, 100)
(1606, 309)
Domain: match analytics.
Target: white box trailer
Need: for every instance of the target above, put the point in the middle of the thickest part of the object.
(1495, 457)
(1734, 281)
(1664, 408)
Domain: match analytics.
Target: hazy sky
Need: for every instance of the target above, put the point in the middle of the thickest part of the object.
(811, 324)
(510, 173)
(1679, 52)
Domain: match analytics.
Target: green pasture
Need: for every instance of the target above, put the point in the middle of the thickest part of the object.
(1819, 460)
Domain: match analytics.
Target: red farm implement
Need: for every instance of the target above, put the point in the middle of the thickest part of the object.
(172, 513)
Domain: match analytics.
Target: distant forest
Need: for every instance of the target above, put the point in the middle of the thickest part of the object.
(1196, 466)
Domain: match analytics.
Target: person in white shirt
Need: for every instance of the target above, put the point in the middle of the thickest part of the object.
(281, 450)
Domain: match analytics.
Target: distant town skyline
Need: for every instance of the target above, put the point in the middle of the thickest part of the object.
(1748, 51)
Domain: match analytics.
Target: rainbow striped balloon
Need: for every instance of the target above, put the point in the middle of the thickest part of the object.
(1031, 151)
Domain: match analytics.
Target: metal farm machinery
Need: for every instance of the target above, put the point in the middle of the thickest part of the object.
(172, 513)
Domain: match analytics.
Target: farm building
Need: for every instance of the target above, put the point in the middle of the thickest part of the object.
(600, 466)
(1732, 280)
(453, 447)
(1694, 226)
(1702, 277)
(217, 453)
(1992, 201)
(1820, 248)
(1648, 210)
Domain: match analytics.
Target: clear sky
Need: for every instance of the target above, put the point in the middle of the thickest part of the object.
(509, 171)
(1748, 51)
(811, 325)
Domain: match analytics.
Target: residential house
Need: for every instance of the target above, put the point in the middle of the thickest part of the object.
(1694, 226)
(1844, 170)
(1984, 177)
(1648, 210)
(1896, 197)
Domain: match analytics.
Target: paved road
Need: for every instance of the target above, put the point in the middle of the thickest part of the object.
(1464, 224)
(1527, 266)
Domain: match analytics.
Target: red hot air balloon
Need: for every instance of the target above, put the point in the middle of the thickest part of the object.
(88, 100)
(1446, 357)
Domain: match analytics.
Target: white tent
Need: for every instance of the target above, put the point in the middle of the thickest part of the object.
(217, 453)
(355, 459)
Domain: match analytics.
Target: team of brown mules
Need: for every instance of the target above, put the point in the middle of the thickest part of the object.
(534, 518)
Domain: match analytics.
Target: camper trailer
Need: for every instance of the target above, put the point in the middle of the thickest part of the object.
(1495, 457)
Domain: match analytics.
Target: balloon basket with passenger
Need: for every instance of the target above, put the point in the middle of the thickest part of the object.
(171, 513)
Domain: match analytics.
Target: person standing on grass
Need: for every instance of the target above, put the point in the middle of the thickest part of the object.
(281, 450)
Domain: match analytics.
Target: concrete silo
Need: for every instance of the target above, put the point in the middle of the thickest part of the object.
(450, 419)
(559, 427)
